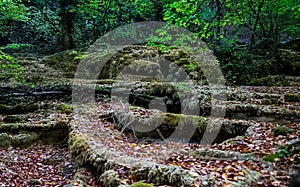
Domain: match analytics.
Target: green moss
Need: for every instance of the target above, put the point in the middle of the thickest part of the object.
(24, 140)
(291, 97)
(77, 144)
(109, 178)
(141, 184)
(281, 130)
(13, 119)
(18, 109)
(10, 127)
(264, 81)
(266, 102)
(271, 157)
(73, 53)
(172, 119)
(66, 108)
(5, 141)
(132, 108)
(285, 83)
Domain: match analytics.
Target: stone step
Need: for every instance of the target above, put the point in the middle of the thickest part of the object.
(23, 135)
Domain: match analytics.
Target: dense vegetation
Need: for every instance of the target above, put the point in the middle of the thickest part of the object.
(235, 29)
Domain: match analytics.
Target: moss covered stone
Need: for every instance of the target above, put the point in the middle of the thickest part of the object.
(110, 178)
(281, 130)
(292, 97)
(162, 125)
(20, 108)
(5, 141)
(13, 119)
(65, 61)
(24, 140)
(266, 102)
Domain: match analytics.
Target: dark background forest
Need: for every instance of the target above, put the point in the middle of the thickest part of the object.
(246, 36)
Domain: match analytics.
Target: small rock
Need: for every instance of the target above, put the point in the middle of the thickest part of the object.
(69, 169)
(34, 182)
(295, 181)
(41, 66)
(294, 141)
(52, 160)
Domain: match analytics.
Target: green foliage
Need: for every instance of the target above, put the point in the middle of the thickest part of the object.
(237, 66)
(11, 11)
(192, 66)
(44, 21)
(141, 184)
(284, 152)
(281, 130)
(161, 47)
(10, 69)
(223, 23)
(271, 157)
(224, 19)
(66, 108)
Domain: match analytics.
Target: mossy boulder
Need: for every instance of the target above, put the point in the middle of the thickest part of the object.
(78, 145)
(24, 140)
(281, 130)
(162, 125)
(110, 178)
(290, 59)
(149, 62)
(5, 140)
(134, 70)
(66, 61)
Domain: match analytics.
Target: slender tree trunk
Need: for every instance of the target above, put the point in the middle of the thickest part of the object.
(219, 16)
(66, 24)
(276, 37)
(255, 24)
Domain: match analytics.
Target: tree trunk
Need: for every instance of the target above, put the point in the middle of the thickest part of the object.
(66, 24)
(219, 16)
(255, 24)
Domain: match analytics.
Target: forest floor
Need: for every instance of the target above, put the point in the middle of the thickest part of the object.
(53, 165)
(20, 166)
(259, 142)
